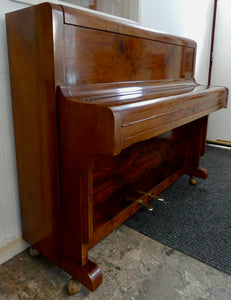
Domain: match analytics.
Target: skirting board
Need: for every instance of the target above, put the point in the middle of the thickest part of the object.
(12, 248)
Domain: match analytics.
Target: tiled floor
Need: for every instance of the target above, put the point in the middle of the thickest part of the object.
(133, 267)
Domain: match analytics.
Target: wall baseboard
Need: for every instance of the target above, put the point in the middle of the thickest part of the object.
(12, 248)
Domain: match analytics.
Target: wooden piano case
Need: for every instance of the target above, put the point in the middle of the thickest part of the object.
(106, 116)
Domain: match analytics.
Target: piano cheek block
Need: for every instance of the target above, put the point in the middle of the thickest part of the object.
(102, 110)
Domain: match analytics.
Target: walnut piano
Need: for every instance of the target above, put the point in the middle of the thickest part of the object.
(106, 115)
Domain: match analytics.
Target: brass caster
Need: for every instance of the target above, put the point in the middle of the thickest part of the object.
(33, 252)
(73, 287)
(192, 181)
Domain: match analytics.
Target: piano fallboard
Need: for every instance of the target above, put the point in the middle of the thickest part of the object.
(141, 110)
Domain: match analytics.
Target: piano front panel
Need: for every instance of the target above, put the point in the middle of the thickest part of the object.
(140, 167)
(118, 57)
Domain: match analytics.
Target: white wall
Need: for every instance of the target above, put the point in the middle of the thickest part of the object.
(122, 8)
(10, 228)
(187, 18)
(219, 126)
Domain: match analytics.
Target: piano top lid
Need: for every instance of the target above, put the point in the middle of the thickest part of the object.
(97, 20)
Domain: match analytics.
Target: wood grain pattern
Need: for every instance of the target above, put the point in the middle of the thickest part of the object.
(102, 109)
(112, 24)
(121, 57)
(141, 167)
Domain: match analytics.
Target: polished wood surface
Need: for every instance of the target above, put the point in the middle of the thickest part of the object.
(31, 59)
(106, 113)
(114, 57)
(139, 112)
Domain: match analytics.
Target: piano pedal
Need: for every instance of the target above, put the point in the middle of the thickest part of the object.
(146, 205)
(141, 202)
(156, 197)
(153, 196)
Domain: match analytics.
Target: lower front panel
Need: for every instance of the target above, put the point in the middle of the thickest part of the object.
(118, 181)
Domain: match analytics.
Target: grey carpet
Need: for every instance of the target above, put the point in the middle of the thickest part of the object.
(196, 220)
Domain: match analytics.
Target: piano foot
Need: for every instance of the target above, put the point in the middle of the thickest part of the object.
(196, 171)
(73, 287)
(88, 275)
(192, 181)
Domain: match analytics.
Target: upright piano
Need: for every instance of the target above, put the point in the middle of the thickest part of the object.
(107, 114)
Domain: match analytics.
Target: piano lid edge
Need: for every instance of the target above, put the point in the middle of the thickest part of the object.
(94, 19)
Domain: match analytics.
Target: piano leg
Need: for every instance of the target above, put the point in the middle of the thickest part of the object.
(77, 229)
(89, 275)
(196, 138)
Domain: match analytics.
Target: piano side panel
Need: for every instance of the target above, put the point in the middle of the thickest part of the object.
(93, 56)
(31, 57)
